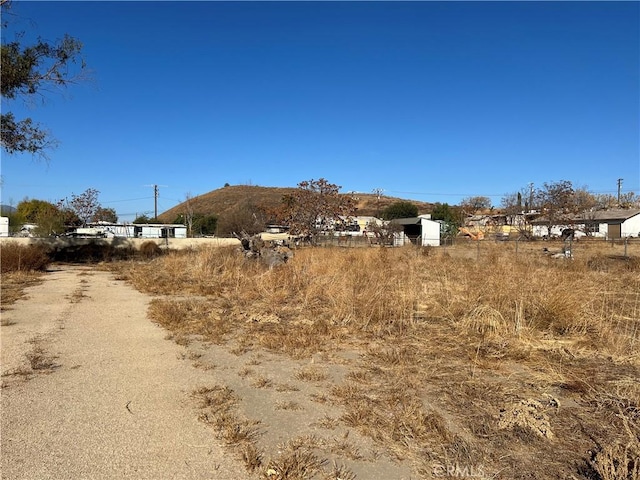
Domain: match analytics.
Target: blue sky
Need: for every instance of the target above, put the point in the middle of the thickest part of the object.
(433, 101)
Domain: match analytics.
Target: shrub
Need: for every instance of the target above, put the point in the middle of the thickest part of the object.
(150, 249)
(15, 257)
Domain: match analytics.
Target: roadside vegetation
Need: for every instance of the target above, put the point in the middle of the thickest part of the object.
(376, 361)
(21, 267)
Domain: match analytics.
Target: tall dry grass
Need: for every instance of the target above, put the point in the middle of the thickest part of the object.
(381, 291)
(22, 258)
(446, 339)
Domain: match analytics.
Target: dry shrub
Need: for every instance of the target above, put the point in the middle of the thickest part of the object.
(150, 249)
(294, 465)
(22, 258)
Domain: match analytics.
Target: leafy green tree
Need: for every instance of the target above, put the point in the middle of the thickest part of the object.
(29, 210)
(47, 216)
(245, 217)
(205, 224)
(142, 219)
(200, 224)
(401, 209)
(26, 71)
(450, 217)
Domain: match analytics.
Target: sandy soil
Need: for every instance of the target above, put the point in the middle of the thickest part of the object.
(92, 389)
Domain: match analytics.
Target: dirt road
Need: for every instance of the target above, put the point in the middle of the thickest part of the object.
(93, 390)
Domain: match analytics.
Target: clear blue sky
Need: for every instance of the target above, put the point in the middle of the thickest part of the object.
(427, 100)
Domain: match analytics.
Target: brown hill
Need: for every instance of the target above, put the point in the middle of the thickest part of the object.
(225, 200)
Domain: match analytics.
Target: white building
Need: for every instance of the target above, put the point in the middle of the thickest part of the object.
(420, 230)
(614, 223)
(4, 226)
(147, 230)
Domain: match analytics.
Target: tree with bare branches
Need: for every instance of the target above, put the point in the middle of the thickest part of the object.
(556, 201)
(85, 205)
(316, 205)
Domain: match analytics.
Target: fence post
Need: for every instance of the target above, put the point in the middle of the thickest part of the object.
(626, 242)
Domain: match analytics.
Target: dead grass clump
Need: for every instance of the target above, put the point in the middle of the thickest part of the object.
(617, 461)
(22, 258)
(190, 317)
(311, 374)
(295, 339)
(13, 287)
(150, 249)
(220, 404)
(598, 263)
(528, 415)
(395, 418)
(294, 464)
(39, 359)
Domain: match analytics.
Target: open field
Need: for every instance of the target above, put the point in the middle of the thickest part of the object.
(413, 363)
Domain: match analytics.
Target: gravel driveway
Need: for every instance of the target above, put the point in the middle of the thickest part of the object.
(93, 390)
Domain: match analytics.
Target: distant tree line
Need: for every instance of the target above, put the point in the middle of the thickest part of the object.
(62, 216)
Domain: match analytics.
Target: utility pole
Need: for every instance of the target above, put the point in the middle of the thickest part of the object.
(378, 192)
(530, 196)
(156, 194)
(619, 189)
(155, 202)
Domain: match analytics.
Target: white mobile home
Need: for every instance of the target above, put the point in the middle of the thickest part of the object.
(4, 226)
(148, 230)
(614, 223)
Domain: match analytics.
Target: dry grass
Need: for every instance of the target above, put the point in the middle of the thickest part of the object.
(13, 288)
(452, 358)
(22, 258)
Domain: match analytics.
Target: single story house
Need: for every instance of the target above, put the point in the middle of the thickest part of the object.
(420, 230)
(146, 230)
(613, 223)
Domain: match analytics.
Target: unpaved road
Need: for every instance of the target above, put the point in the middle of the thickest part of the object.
(109, 397)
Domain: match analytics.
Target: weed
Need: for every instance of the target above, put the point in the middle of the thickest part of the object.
(288, 405)
(39, 359)
(262, 382)
(311, 374)
(150, 249)
(22, 258)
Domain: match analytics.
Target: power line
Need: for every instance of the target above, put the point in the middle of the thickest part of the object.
(127, 200)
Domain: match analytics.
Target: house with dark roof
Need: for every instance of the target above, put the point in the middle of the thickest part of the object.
(613, 223)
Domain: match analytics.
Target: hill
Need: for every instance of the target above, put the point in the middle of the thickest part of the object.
(224, 201)
(7, 209)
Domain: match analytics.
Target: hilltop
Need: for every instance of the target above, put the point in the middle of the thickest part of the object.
(225, 200)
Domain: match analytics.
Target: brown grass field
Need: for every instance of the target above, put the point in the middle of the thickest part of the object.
(472, 361)
(414, 363)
